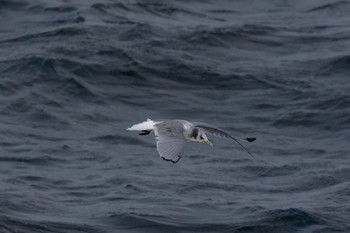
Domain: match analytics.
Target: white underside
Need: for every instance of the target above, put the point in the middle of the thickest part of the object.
(145, 125)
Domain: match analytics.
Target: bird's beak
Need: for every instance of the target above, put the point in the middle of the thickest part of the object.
(209, 143)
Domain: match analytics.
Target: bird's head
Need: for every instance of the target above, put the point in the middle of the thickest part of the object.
(203, 138)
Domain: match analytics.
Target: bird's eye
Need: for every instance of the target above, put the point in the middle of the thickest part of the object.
(201, 137)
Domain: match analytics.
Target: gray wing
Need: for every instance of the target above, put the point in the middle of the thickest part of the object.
(218, 132)
(213, 130)
(170, 140)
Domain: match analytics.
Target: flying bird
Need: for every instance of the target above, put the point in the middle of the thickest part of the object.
(172, 135)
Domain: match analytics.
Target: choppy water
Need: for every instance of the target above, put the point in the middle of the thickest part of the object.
(75, 74)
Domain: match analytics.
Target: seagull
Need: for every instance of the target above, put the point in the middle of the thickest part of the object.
(172, 136)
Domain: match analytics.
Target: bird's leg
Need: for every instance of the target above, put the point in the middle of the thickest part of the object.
(145, 132)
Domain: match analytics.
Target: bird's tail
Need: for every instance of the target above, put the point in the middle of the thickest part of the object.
(145, 125)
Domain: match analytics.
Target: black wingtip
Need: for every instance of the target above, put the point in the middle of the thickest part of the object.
(169, 160)
(250, 139)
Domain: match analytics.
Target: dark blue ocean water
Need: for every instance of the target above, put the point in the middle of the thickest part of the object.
(75, 74)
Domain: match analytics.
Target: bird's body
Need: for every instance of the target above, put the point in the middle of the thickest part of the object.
(172, 135)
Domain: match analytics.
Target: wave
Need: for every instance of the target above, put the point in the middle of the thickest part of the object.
(153, 9)
(292, 218)
(13, 5)
(236, 36)
(12, 224)
(36, 160)
(134, 222)
(338, 65)
(41, 36)
(278, 220)
(334, 6)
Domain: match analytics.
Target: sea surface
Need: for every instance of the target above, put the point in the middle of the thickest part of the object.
(75, 74)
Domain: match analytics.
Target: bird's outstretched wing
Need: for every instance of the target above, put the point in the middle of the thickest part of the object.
(220, 133)
(170, 140)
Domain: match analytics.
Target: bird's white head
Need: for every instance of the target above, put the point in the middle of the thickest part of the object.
(199, 136)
